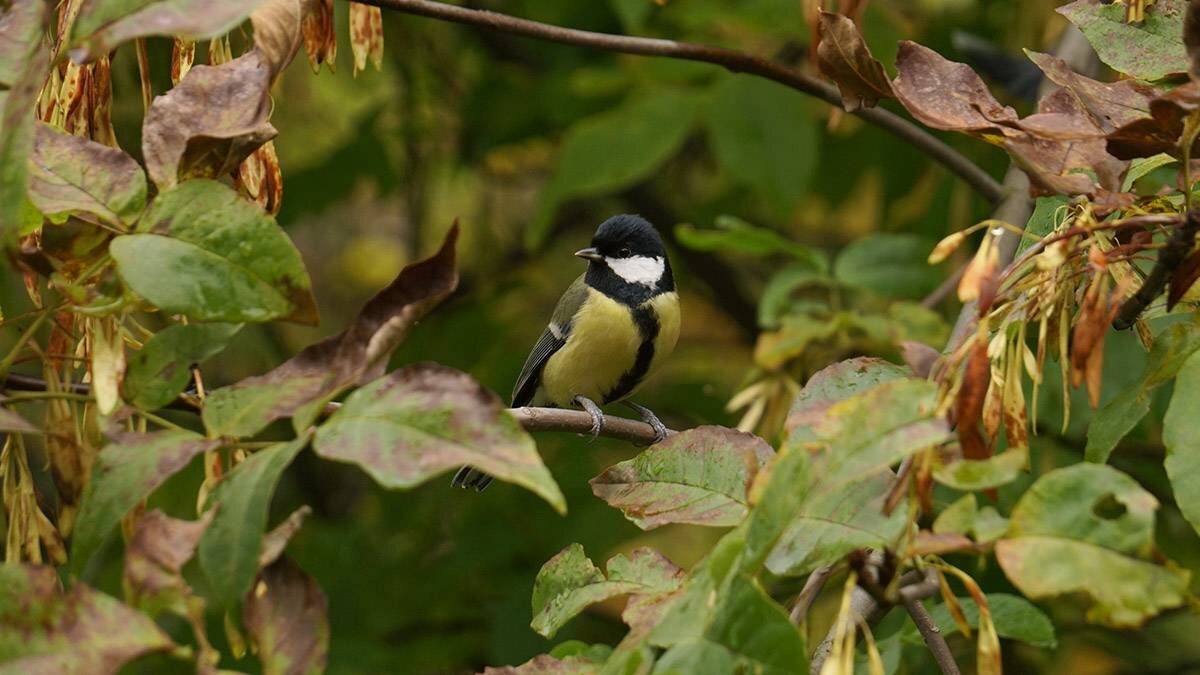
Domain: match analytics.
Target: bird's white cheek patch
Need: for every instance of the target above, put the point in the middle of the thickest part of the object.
(638, 269)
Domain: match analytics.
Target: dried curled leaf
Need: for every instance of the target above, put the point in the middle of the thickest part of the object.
(844, 57)
(208, 124)
(948, 95)
(366, 35)
(969, 406)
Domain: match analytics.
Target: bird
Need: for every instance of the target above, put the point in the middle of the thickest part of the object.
(612, 328)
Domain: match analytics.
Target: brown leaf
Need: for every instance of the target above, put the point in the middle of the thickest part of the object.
(155, 556)
(930, 543)
(275, 541)
(320, 40)
(366, 35)
(920, 357)
(357, 355)
(183, 55)
(946, 95)
(260, 179)
(1108, 105)
(102, 25)
(844, 57)
(208, 124)
(286, 614)
(968, 406)
(1161, 131)
(277, 32)
(1087, 338)
(1191, 37)
(100, 102)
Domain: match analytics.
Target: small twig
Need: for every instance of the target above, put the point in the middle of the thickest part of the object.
(530, 419)
(948, 286)
(912, 596)
(808, 594)
(1170, 257)
(734, 61)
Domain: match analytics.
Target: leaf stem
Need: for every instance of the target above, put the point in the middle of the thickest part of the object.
(25, 337)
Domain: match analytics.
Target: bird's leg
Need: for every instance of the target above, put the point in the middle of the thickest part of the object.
(648, 416)
(589, 406)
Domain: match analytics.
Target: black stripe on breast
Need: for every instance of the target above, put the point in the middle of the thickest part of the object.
(647, 324)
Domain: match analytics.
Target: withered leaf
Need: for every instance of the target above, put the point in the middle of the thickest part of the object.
(154, 560)
(844, 57)
(275, 541)
(355, 356)
(366, 35)
(1108, 104)
(277, 31)
(103, 24)
(286, 614)
(1183, 279)
(1161, 132)
(1087, 338)
(11, 422)
(948, 95)
(49, 631)
(320, 40)
(210, 122)
(919, 357)
(968, 407)
(20, 23)
(69, 174)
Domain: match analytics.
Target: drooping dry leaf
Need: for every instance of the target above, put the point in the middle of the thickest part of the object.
(1108, 104)
(948, 95)
(1087, 338)
(355, 356)
(320, 40)
(183, 55)
(260, 179)
(277, 31)
(366, 35)
(275, 541)
(154, 560)
(1161, 132)
(844, 57)
(208, 124)
(286, 614)
(968, 407)
(919, 357)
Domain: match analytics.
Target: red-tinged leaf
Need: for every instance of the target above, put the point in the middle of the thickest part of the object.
(155, 557)
(1161, 132)
(366, 35)
(46, 631)
(320, 40)
(12, 423)
(103, 24)
(1108, 104)
(208, 124)
(23, 68)
(919, 357)
(286, 614)
(968, 407)
(948, 95)
(426, 419)
(1087, 339)
(1183, 279)
(275, 541)
(69, 174)
(930, 543)
(260, 179)
(544, 664)
(699, 476)
(357, 355)
(844, 57)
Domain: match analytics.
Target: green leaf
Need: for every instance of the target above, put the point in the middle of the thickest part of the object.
(229, 549)
(1048, 212)
(425, 419)
(777, 301)
(1149, 50)
(1181, 436)
(104, 24)
(983, 474)
(1089, 529)
(734, 235)
(1015, 618)
(834, 522)
(70, 174)
(845, 379)
(45, 630)
(204, 252)
(964, 517)
(699, 476)
(766, 137)
(158, 371)
(1171, 350)
(697, 657)
(614, 150)
(126, 472)
(892, 265)
(23, 65)
(752, 625)
(780, 491)
(569, 582)
(1140, 167)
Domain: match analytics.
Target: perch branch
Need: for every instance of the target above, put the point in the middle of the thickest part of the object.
(911, 596)
(530, 419)
(734, 61)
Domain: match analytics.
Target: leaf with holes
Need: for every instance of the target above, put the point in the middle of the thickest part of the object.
(357, 355)
(127, 470)
(569, 582)
(699, 476)
(69, 174)
(426, 419)
(204, 252)
(46, 630)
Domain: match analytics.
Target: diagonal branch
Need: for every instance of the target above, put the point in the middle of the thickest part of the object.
(530, 419)
(734, 61)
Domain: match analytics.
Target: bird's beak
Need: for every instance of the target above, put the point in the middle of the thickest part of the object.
(589, 254)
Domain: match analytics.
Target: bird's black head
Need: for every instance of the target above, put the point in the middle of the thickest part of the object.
(627, 260)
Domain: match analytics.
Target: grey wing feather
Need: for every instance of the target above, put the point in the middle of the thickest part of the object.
(552, 339)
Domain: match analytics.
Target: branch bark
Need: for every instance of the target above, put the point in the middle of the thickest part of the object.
(733, 61)
(912, 596)
(530, 419)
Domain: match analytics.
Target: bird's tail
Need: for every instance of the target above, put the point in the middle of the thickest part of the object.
(469, 478)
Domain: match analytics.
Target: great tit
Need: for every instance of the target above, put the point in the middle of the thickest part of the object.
(614, 326)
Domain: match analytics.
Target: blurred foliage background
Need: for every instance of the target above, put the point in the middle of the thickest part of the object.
(530, 145)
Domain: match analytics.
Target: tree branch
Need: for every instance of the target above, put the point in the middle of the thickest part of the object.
(734, 61)
(1171, 256)
(530, 419)
(912, 596)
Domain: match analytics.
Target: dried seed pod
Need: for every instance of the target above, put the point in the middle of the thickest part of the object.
(366, 35)
(100, 96)
(949, 244)
(260, 179)
(183, 55)
(969, 405)
(320, 40)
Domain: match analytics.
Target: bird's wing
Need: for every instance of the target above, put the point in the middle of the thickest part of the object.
(552, 339)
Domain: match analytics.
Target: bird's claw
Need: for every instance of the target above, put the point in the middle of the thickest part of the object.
(648, 416)
(596, 413)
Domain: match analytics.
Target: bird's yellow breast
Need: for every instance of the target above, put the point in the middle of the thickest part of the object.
(602, 348)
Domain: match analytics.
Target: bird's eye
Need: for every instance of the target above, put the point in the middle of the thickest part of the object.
(624, 252)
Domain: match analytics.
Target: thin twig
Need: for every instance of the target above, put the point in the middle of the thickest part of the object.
(734, 61)
(530, 419)
(934, 640)
(944, 289)
(808, 594)
(1170, 257)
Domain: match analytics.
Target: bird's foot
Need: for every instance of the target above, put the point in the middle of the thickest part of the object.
(648, 416)
(589, 406)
